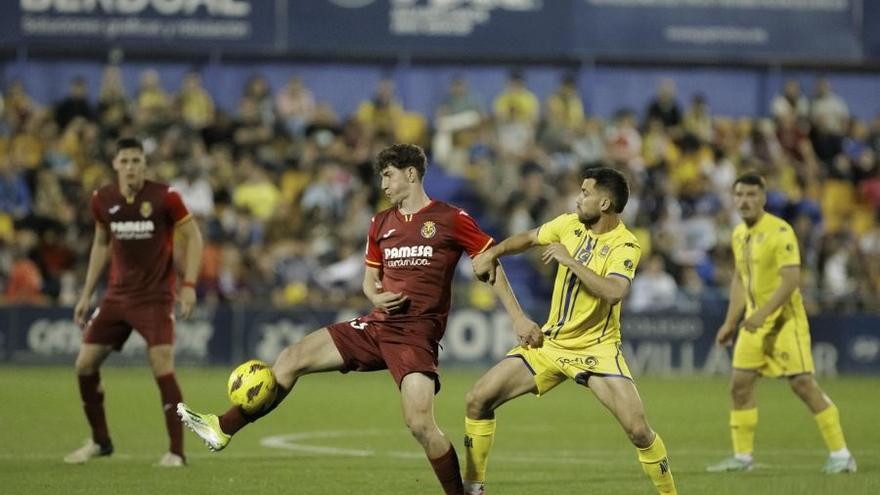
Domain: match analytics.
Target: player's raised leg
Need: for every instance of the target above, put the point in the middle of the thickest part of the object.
(162, 362)
(315, 353)
(417, 398)
(743, 421)
(621, 397)
(88, 363)
(507, 380)
(840, 460)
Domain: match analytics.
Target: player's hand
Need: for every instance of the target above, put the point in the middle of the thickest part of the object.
(80, 310)
(389, 302)
(528, 333)
(556, 252)
(484, 267)
(754, 322)
(187, 300)
(725, 334)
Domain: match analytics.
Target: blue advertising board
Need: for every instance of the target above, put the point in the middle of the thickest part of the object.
(776, 30)
(871, 29)
(183, 25)
(431, 27)
(720, 29)
(653, 344)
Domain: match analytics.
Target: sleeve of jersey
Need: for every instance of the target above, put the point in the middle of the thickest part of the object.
(97, 211)
(623, 260)
(373, 255)
(469, 235)
(551, 231)
(787, 250)
(176, 208)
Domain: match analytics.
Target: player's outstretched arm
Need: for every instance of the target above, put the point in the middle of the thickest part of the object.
(734, 311)
(192, 259)
(527, 331)
(485, 262)
(97, 261)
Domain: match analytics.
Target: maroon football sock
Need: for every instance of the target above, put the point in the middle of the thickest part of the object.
(171, 396)
(235, 418)
(448, 472)
(93, 404)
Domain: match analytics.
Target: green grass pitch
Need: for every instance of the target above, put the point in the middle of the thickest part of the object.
(344, 435)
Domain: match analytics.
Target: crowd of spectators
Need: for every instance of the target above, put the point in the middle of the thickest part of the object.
(284, 190)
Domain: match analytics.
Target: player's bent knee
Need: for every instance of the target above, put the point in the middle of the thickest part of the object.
(86, 364)
(641, 435)
(803, 385)
(477, 405)
(422, 429)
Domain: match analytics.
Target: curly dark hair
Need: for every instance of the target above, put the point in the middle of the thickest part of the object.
(401, 156)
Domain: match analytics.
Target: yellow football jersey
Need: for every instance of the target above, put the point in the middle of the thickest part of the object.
(577, 318)
(760, 251)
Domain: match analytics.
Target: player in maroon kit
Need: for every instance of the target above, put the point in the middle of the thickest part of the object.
(135, 223)
(412, 251)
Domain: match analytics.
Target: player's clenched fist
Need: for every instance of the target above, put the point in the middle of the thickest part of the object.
(484, 267)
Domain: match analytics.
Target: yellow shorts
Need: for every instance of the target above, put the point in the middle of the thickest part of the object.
(553, 365)
(784, 351)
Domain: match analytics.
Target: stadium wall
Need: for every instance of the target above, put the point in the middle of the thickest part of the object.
(653, 344)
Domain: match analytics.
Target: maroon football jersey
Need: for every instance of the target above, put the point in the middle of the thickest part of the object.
(141, 233)
(417, 255)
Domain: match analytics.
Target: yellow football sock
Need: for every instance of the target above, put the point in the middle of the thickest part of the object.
(742, 430)
(478, 437)
(829, 425)
(656, 465)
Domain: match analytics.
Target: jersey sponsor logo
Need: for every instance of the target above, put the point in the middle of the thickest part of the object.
(136, 229)
(113, 209)
(429, 229)
(386, 235)
(146, 209)
(404, 256)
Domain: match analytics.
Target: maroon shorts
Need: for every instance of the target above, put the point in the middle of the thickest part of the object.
(112, 323)
(401, 348)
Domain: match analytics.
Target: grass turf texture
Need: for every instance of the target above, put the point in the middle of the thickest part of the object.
(345, 434)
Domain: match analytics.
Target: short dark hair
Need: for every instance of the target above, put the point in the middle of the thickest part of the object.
(128, 143)
(751, 179)
(612, 182)
(401, 156)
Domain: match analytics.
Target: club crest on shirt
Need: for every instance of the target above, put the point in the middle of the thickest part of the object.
(146, 209)
(604, 251)
(429, 229)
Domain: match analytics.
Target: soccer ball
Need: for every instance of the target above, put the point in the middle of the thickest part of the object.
(252, 386)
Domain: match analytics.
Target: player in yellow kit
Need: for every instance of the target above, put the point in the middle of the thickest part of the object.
(597, 259)
(774, 339)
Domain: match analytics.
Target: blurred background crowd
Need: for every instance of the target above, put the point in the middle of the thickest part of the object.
(283, 186)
